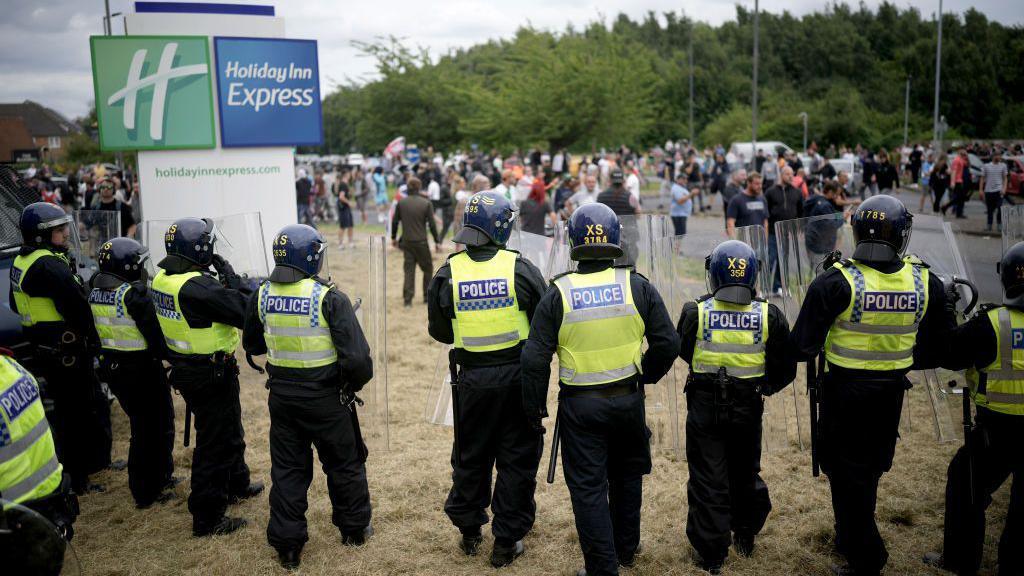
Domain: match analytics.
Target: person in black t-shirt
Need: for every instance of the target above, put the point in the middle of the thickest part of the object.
(105, 201)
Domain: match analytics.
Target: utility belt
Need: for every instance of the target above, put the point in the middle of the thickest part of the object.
(614, 391)
(216, 359)
(723, 389)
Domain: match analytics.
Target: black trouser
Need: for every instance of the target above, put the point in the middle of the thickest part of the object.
(218, 462)
(297, 424)
(605, 453)
(859, 427)
(447, 218)
(80, 419)
(141, 387)
(993, 201)
(494, 434)
(416, 254)
(937, 195)
(960, 194)
(725, 491)
(997, 456)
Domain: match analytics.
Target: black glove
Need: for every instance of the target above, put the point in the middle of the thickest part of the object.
(536, 424)
(766, 390)
(225, 272)
(952, 297)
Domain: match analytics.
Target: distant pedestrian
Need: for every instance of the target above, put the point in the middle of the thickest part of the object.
(304, 198)
(747, 209)
(415, 214)
(993, 186)
(938, 182)
(682, 204)
(345, 223)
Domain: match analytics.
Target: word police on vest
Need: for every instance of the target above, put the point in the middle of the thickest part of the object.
(481, 289)
(287, 305)
(726, 320)
(1017, 339)
(98, 296)
(164, 304)
(596, 296)
(18, 397)
(890, 301)
(257, 98)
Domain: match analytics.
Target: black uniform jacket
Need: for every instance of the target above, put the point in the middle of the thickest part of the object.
(204, 300)
(529, 286)
(827, 297)
(780, 367)
(139, 305)
(51, 277)
(662, 340)
(353, 369)
(972, 344)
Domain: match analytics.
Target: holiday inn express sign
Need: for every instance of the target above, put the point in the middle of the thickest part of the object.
(156, 92)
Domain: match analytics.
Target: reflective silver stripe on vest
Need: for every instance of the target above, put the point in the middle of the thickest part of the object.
(876, 328)
(586, 314)
(729, 347)
(871, 354)
(23, 488)
(114, 321)
(1004, 397)
(112, 343)
(730, 370)
(571, 376)
(294, 355)
(18, 446)
(296, 330)
(178, 343)
(491, 340)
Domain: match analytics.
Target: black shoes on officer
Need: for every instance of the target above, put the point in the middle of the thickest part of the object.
(505, 553)
(471, 540)
(253, 489)
(744, 544)
(290, 558)
(624, 562)
(710, 566)
(357, 538)
(226, 525)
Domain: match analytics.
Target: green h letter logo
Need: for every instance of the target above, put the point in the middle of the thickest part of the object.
(153, 92)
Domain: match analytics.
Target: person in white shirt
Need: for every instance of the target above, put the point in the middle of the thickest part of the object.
(586, 194)
(632, 181)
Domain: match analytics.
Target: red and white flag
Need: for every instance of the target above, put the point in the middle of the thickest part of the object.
(396, 147)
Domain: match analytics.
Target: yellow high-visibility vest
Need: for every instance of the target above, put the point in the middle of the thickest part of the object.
(487, 314)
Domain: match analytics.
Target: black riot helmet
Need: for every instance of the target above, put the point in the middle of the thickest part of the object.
(732, 272)
(38, 221)
(1011, 273)
(190, 239)
(881, 229)
(123, 258)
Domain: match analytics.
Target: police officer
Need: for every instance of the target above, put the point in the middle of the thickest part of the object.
(318, 359)
(596, 319)
(198, 315)
(53, 304)
(131, 364)
(991, 347)
(877, 315)
(736, 346)
(30, 473)
(481, 301)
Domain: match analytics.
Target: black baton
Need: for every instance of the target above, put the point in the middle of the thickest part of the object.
(453, 367)
(188, 424)
(553, 463)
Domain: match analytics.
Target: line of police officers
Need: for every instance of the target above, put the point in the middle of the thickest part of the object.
(874, 316)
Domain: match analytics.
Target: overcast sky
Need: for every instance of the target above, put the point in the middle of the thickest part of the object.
(44, 47)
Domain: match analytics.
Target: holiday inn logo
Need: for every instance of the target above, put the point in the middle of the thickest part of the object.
(153, 92)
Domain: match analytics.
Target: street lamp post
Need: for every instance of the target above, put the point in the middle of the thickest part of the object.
(906, 113)
(938, 76)
(753, 107)
(803, 116)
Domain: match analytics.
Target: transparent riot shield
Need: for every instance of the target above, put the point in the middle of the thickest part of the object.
(533, 247)
(94, 228)
(803, 245)
(637, 236)
(239, 239)
(558, 259)
(438, 406)
(1013, 225)
(359, 272)
(31, 545)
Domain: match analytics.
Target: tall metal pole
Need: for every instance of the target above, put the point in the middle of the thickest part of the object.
(803, 116)
(753, 106)
(906, 113)
(107, 25)
(938, 75)
(690, 50)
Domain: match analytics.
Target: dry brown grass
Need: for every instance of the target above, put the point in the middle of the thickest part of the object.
(408, 485)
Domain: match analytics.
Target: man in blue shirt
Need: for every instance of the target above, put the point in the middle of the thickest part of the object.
(682, 203)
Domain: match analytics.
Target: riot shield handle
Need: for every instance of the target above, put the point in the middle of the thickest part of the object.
(252, 364)
(974, 293)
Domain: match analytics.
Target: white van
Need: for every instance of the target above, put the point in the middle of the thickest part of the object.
(744, 151)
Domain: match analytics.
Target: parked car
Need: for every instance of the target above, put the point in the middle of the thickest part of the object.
(744, 151)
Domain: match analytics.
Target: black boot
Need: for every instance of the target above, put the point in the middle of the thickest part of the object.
(356, 538)
(253, 489)
(471, 540)
(289, 557)
(226, 525)
(710, 566)
(744, 544)
(630, 561)
(505, 553)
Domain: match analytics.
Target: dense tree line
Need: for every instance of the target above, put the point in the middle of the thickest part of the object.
(627, 81)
